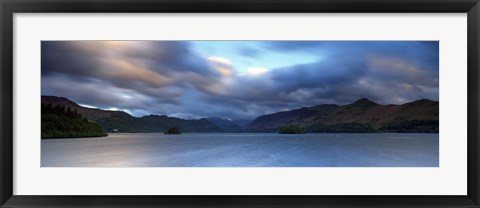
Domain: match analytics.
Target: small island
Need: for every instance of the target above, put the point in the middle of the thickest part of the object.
(173, 130)
(291, 129)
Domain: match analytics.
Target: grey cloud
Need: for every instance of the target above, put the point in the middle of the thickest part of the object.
(167, 77)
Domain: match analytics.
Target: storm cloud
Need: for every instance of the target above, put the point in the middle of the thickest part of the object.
(177, 78)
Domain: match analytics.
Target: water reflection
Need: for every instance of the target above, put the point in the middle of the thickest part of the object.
(243, 150)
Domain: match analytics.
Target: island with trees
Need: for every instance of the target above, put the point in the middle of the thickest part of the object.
(173, 130)
(291, 129)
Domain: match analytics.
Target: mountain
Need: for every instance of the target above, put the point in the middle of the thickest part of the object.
(124, 122)
(301, 117)
(361, 116)
(242, 122)
(90, 113)
(227, 125)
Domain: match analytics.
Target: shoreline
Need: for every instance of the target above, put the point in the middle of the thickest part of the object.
(269, 133)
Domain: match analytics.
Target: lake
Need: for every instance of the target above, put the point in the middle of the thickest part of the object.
(244, 150)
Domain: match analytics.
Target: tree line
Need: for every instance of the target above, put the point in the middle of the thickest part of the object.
(60, 122)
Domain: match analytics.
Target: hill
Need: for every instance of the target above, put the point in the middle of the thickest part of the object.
(225, 125)
(361, 116)
(123, 122)
(61, 122)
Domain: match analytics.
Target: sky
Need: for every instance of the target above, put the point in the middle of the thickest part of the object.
(236, 79)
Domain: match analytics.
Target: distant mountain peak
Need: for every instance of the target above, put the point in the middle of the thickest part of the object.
(155, 116)
(363, 102)
(58, 100)
(219, 118)
(423, 101)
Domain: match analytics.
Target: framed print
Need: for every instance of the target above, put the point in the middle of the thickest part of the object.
(239, 104)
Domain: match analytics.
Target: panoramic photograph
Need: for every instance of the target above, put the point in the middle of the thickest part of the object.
(239, 103)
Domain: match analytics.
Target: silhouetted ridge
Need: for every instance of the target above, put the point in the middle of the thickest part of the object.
(364, 102)
(362, 115)
(119, 121)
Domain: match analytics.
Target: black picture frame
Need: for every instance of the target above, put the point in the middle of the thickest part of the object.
(10, 7)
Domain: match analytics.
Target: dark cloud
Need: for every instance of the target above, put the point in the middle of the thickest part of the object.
(295, 45)
(144, 67)
(322, 74)
(385, 71)
(168, 77)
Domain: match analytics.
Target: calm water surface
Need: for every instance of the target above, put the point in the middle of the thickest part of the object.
(243, 150)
